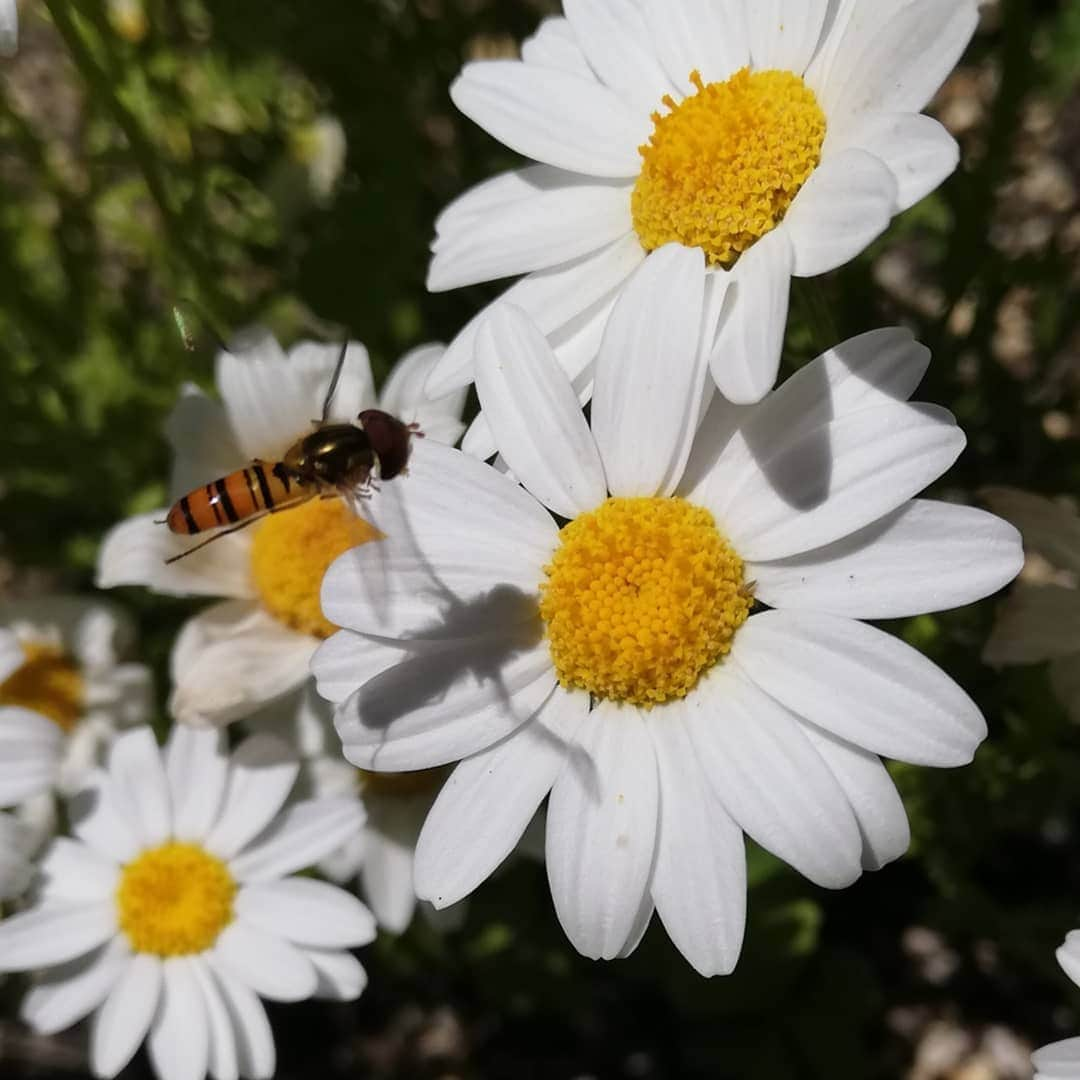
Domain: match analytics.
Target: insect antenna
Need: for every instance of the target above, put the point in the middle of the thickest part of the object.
(335, 379)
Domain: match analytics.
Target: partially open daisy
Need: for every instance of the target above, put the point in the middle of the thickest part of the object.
(172, 911)
(255, 647)
(625, 663)
(1061, 1060)
(770, 139)
(65, 690)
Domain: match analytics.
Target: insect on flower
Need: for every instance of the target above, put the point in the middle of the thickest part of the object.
(333, 460)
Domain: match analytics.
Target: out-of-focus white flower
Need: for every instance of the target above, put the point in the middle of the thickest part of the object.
(321, 147)
(237, 656)
(9, 27)
(618, 663)
(1061, 1060)
(764, 140)
(64, 692)
(379, 856)
(173, 909)
(1040, 619)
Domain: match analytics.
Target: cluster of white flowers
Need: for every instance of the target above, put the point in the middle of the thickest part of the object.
(652, 619)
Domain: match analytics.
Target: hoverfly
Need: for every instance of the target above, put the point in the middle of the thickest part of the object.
(333, 460)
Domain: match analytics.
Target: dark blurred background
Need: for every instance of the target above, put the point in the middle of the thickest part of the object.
(283, 163)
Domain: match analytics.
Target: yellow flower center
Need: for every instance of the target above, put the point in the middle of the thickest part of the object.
(641, 597)
(174, 900)
(293, 550)
(402, 784)
(48, 683)
(722, 167)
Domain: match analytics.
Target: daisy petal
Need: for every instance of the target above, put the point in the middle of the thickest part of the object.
(708, 36)
(341, 976)
(784, 33)
(70, 871)
(962, 554)
(534, 414)
(272, 967)
(348, 660)
(121, 1023)
(42, 936)
(1068, 955)
(198, 769)
(1050, 528)
(489, 799)
(139, 784)
(314, 363)
(873, 796)
(838, 478)
(552, 217)
(552, 116)
(99, 822)
(555, 46)
(267, 399)
(444, 705)
(699, 884)
(222, 1060)
(262, 772)
(895, 62)
(232, 659)
(861, 684)
(553, 299)
(918, 151)
(306, 912)
(202, 441)
(300, 837)
(134, 553)
(403, 396)
(746, 355)
(616, 42)
(386, 873)
(645, 410)
(71, 991)
(179, 1042)
(12, 656)
(1058, 1060)
(1036, 623)
(846, 204)
(255, 1051)
(464, 553)
(775, 785)
(601, 831)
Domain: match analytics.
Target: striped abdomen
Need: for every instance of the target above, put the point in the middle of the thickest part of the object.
(263, 485)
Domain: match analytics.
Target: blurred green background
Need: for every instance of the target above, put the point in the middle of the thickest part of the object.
(283, 163)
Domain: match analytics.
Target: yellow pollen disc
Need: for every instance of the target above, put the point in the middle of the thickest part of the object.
(642, 596)
(49, 683)
(722, 167)
(293, 550)
(174, 900)
(403, 784)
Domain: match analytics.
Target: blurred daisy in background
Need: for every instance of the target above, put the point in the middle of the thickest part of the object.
(173, 908)
(236, 656)
(623, 663)
(16, 849)
(379, 857)
(9, 27)
(766, 140)
(1061, 1060)
(65, 690)
(1040, 619)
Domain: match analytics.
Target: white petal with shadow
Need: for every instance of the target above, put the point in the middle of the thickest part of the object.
(179, 1040)
(272, 967)
(67, 993)
(310, 913)
(708, 36)
(122, 1022)
(555, 45)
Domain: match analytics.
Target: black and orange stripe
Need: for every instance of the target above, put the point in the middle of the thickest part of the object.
(234, 498)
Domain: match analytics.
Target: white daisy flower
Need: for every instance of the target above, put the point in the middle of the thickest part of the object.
(9, 27)
(64, 692)
(172, 910)
(1040, 620)
(1061, 1060)
(236, 656)
(765, 139)
(380, 855)
(617, 663)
